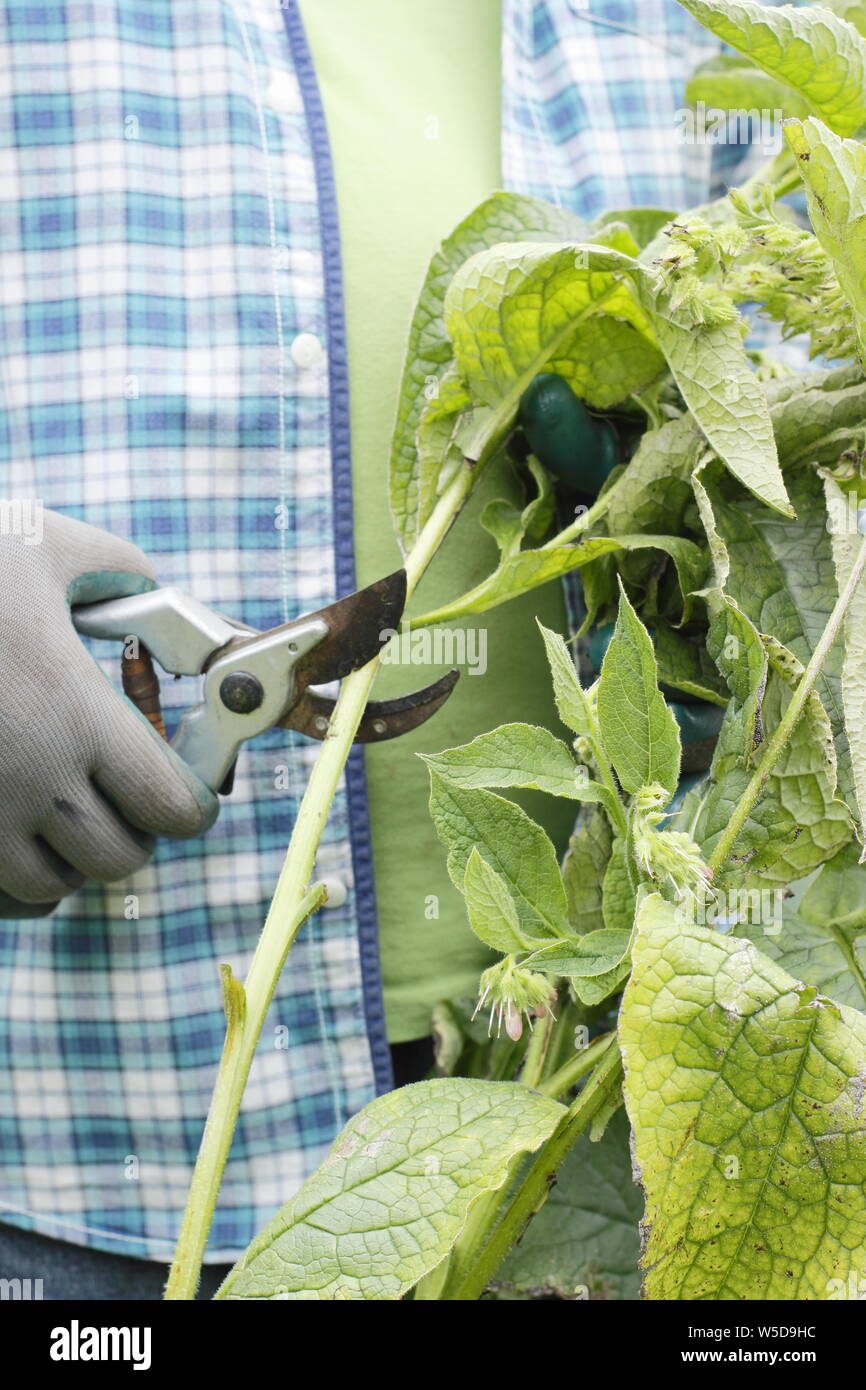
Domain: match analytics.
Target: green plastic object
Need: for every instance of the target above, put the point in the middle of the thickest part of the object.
(578, 448)
(697, 721)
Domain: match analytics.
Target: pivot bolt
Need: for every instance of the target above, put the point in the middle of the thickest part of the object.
(241, 692)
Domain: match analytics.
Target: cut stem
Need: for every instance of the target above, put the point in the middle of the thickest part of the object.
(292, 904)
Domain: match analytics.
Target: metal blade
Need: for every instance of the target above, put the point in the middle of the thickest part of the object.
(383, 719)
(355, 631)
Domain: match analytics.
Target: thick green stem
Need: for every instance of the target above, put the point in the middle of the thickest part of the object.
(790, 718)
(536, 1052)
(576, 1068)
(470, 1274)
(293, 901)
(245, 1008)
(484, 1214)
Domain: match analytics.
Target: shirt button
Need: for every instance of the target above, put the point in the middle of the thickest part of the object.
(336, 890)
(282, 92)
(306, 350)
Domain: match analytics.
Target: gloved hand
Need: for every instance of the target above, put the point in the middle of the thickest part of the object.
(85, 782)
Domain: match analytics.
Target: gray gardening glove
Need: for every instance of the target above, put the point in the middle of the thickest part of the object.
(85, 782)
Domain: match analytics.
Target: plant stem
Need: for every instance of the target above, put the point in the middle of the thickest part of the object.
(293, 901)
(575, 1068)
(243, 1026)
(790, 718)
(469, 1275)
(533, 1061)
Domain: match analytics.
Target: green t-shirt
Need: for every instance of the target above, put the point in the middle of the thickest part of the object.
(411, 93)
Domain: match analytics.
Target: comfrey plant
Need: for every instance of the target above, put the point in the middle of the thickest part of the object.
(691, 978)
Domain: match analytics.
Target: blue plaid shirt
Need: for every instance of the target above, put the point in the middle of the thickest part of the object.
(174, 370)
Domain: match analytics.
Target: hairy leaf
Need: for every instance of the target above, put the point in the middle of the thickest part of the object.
(852, 681)
(514, 755)
(490, 907)
(639, 730)
(721, 390)
(514, 311)
(583, 872)
(819, 55)
(597, 953)
(818, 936)
(834, 172)
(687, 666)
(393, 1194)
(618, 894)
(797, 823)
(782, 577)
(572, 702)
(502, 217)
(745, 1094)
(530, 568)
(513, 845)
(732, 84)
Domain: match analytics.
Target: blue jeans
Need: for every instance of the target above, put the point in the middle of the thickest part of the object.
(75, 1271)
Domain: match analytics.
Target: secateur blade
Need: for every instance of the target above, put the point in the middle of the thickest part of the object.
(382, 719)
(358, 627)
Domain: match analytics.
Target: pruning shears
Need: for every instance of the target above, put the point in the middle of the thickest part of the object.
(255, 681)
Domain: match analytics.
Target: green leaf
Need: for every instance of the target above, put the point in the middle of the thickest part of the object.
(514, 755)
(687, 666)
(618, 895)
(835, 895)
(815, 416)
(812, 51)
(834, 172)
(597, 953)
(852, 10)
(852, 683)
(516, 310)
(502, 217)
(584, 1241)
(797, 823)
(438, 455)
(713, 373)
(572, 702)
(733, 85)
(393, 1194)
(782, 577)
(513, 845)
(532, 568)
(490, 906)
(745, 1098)
(596, 989)
(642, 224)
(583, 872)
(639, 731)
(819, 935)
(509, 523)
